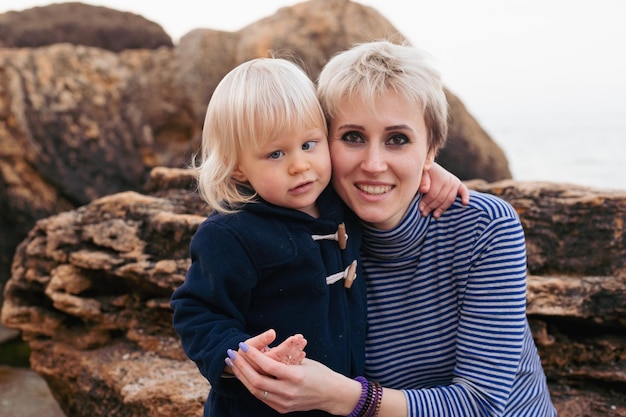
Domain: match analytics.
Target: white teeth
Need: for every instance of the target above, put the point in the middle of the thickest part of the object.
(374, 189)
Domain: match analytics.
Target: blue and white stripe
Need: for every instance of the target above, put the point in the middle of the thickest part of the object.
(447, 313)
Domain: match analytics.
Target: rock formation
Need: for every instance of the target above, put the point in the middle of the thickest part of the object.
(80, 24)
(79, 122)
(90, 287)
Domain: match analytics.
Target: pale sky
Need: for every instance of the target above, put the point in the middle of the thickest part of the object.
(499, 57)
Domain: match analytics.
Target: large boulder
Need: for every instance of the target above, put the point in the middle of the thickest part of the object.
(78, 123)
(80, 24)
(90, 287)
(466, 137)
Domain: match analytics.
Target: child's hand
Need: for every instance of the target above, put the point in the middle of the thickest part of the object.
(290, 352)
(440, 188)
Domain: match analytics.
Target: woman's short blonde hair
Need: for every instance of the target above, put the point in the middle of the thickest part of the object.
(371, 69)
(252, 104)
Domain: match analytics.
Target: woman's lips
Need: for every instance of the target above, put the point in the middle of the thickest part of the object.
(374, 189)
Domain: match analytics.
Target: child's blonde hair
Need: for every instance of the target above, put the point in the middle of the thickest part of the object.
(254, 103)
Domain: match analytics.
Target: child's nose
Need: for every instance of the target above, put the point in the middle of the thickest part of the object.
(298, 165)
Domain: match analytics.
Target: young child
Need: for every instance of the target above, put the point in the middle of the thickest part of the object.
(280, 250)
(270, 255)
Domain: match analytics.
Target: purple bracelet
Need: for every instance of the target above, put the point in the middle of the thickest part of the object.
(374, 407)
(361, 403)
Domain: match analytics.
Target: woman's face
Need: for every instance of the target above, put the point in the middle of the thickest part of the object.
(378, 155)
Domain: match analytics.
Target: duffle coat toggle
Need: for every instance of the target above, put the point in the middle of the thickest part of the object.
(348, 274)
(340, 236)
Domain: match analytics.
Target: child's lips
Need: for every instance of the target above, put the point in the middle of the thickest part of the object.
(302, 187)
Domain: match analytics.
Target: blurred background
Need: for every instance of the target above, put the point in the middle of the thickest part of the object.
(546, 79)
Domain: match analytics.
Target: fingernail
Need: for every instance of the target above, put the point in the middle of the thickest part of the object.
(243, 346)
(231, 354)
(228, 362)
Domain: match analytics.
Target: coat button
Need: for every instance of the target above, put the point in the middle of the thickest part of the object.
(342, 236)
(350, 275)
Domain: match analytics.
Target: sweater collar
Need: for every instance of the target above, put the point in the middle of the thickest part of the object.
(403, 242)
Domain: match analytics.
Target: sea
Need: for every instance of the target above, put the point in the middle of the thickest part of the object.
(582, 149)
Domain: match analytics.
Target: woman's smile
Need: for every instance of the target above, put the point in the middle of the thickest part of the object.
(379, 151)
(374, 189)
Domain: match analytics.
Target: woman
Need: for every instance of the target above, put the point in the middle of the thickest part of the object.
(447, 330)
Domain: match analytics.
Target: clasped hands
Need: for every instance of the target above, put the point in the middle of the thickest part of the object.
(270, 374)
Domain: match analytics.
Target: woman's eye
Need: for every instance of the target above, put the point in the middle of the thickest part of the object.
(352, 137)
(275, 155)
(397, 140)
(308, 145)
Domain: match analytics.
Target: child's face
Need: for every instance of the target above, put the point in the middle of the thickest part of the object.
(290, 171)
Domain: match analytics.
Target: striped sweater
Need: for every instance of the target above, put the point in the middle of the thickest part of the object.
(447, 313)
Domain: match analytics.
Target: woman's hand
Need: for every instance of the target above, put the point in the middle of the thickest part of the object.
(290, 351)
(303, 387)
(440, 188)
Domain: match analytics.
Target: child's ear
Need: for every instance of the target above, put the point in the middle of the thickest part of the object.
(430, 160)
(239, 175)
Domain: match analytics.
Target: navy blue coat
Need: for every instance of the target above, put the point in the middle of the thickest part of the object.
(258, 269)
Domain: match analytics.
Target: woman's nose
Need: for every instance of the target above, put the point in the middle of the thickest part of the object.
(373, 160)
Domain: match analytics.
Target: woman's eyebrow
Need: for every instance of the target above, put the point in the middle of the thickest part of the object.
(399, 127)
(350, 126)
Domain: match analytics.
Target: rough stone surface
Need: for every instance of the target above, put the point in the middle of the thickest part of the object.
(80, 24)
(78, 123)
(89, 292)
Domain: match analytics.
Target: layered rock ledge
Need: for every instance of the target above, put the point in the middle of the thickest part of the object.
(90, 287)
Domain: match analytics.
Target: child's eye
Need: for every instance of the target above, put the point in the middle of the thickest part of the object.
(275, 155)
(308, 145)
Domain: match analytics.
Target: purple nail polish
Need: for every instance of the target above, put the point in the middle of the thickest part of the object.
(243, 346)
(228, 362)
(231, 354)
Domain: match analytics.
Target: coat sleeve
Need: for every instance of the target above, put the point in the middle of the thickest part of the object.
(210, 306)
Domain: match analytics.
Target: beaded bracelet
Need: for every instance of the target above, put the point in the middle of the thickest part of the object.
(370, 400)
(360, 405)
(378, 396)
(369, 411)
